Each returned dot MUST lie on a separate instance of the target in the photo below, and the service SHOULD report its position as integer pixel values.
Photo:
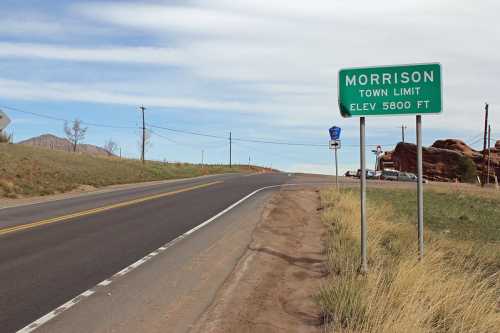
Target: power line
(255, 140)
(192, 146)
(32, 113)
(476, 141)
(190, 132)
(65, 120)
(163, 137)
(281, 142)
(473, 137)
(240, 139)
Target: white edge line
(54, 313)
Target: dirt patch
(273, 286)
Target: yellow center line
(100, 209)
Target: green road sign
(390, 90)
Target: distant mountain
(50, 141)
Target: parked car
(389, 175)
(350, 173)
(407, 177)
(370, 174)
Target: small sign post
(335, 145)
(390, 90)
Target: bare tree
(6, 137)
(75, 133)
(110, 147)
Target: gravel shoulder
(273, 285)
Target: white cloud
(199, 20)
(282, 56)
(149, 55)
(102, 94)
(16, 26)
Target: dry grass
(455, 289)
(29, 171)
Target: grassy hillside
(456, 288)
(28, 171)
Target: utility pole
(403, 129)
(248, 162)
(484, 144)
(489, 153)
(230, 150)
(202, 157)
(142, 109)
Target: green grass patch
(462, 216)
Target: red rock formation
(442, 160)
(456, 145)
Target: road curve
(45, 265)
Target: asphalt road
(48, 263)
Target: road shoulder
(273, 286)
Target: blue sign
(335, 133)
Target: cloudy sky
(263, 69)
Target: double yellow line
(101, 209)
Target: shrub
(5, 138)
(466, 170)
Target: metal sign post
(390, 90)
(335, 145)
(336, 169)
(420, 190)
(362, 158)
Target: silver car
(407, 177)
(390, 175)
